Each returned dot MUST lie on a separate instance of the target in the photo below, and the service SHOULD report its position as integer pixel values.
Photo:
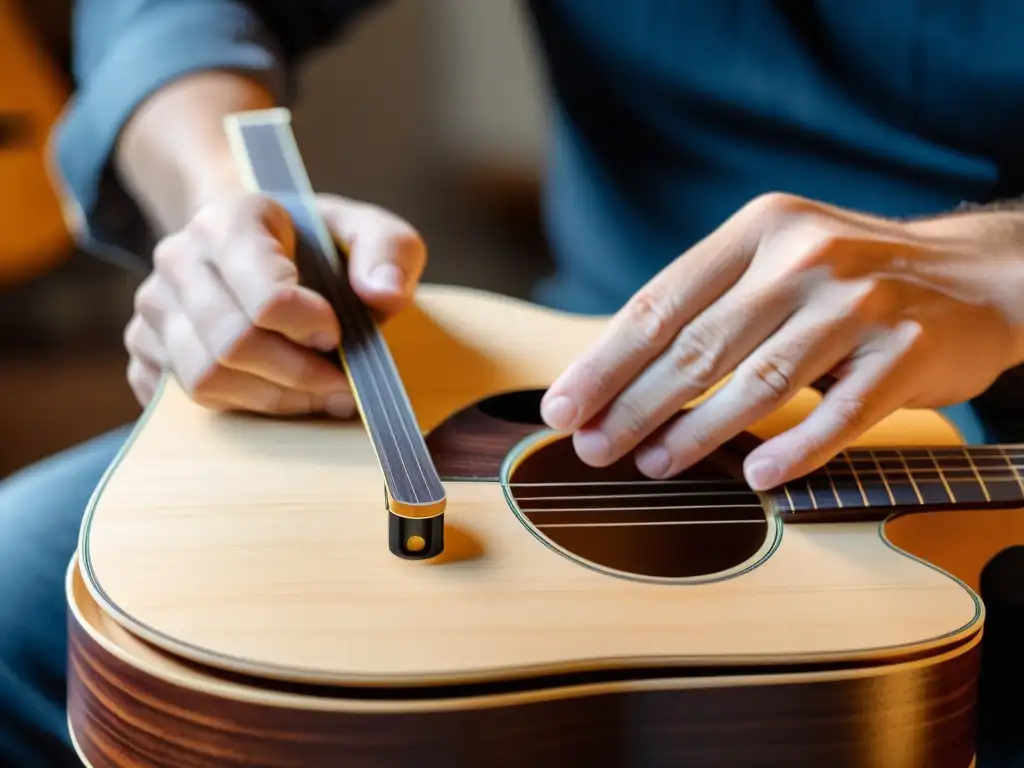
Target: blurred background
(434, 110)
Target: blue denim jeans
(41, 509)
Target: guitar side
(131, 704)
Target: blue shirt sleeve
(126, 49)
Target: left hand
(785, 292)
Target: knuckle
(775, 205)
(146, 295)
(132, 333)
(876, 300)
(851, 412)
(166, 252)
(772, 379)
(409, 248)
(649, 314)
(140, 380)
(630, 418)
(806, 242)
(234, 345)
(590, 378)
(698, 354)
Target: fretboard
(265, 146)
(874, 482)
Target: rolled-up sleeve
(124, 50)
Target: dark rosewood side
(121, 717)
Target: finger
(386, 255)
(648, 322)
(154, 304)
(253, 254)
(871, 387)
(143, 379)
(807, 347)
(705, 351)
(217, 387)
(146, 359)
(142, 341)
(232, 341)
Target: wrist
(174, 156)
(983, 255)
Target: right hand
(223, 310)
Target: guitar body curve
(234, 602)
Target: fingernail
(323, 341)
(559, 413)
(654, 462)
(763, 474)
(340, 404)
(388, 277)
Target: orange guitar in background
(33, 235)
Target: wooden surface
(132, 705)
(259, 545)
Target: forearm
(173, 155)
(141, 144)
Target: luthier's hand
(224, 312)
(901, 314)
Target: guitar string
(370, 351)
(647, 523)
(372, 348)
(292, 181)
(992, 474)
(377, 356)
(375, 343)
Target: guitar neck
(872, 483)
(266, 151)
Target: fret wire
(828, 474)
(920, 499)
(885, 482)
(895, 473)
(1020, 481)
(989, 451)
(810, 492)
(789, 498)
(856, 477)
(984, 488)
(942, 476)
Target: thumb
(386, 255)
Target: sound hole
(704, 522)
(520, 407)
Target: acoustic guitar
(34, 237)
(443, 583)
